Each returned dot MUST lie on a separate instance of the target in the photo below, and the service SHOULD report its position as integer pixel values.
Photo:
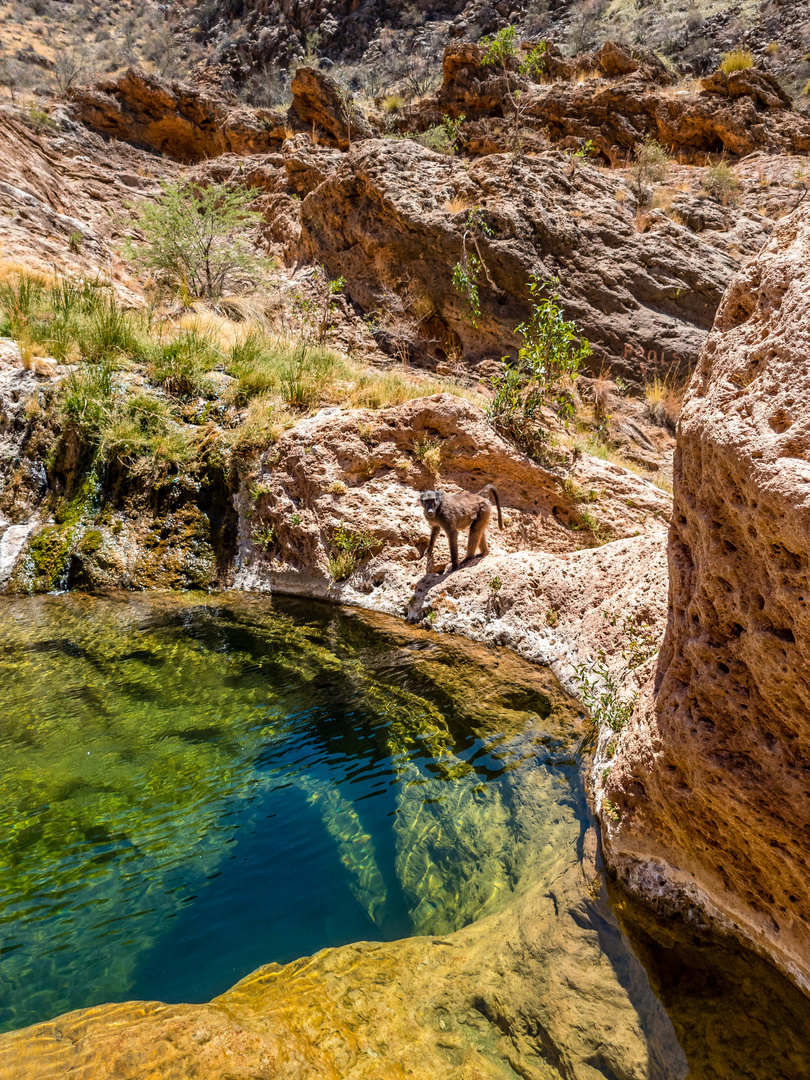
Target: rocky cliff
(712, 783)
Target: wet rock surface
(711, 781)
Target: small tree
(70, 67)
(543, 374)
(501, 51)
(650, 167)
(198, 240)
(471, 265)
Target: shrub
(543, 373)
(471, 266)
(429, 452)
(499, 48)
(306, 375)
(393, 103)
(265, 423)
(664, 397)
(263, 536)
(737, 60)
(435, 138)
(721, 183)
(198, 240)
(143, 432)
(250, 362)
(86, 401)
(649, 167)
(109, 331)
(348, 549)
(599, 692)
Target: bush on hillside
(199, 241)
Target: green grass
(349, 548)
(141, 388)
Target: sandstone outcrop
(176, 119)
(623, 105)
(711, 786)
(62, 196)
(318, 105)
(395, 214)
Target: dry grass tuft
(457, 204)
(664, 397)
(737, 60)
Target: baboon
(455, 512)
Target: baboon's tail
(485, 491)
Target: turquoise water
(192, 787)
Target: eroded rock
(711, 786)
(394, 216)
(621, 103)
(177, 119)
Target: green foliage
(494, 585)
(86, 401)
(465, 281)
(471, 267)
(181, 364)
(38, 120)
(587, 150)
(348, 549)
(642, 641)
(429, 452)
(499, 48)
(534, 64)
(264, 536)
(599, 693)
(110, 332)
(143, 433)
(546, 367)
(721, 182)
(199, 240)
(19, 301)
(306, 374)
(737, 60)
(649, 167)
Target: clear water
(189, 788)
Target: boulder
(762, 88)
(394, 216)
(712, 784)
(319, 104)
(182, 121)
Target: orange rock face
(176, 119)
(712, 784)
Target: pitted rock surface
(712, 783)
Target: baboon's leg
(434, 532)
(477, 537)
(452, 536)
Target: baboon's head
(431, 503)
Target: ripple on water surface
(193, 787)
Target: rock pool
(194, 786)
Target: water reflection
(191, 787)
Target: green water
(194, 786)
(191, 787)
